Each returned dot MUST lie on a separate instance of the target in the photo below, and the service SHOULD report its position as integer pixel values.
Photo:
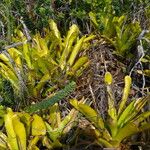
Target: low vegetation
(62, 66)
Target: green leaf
(26, 54)
(79, 72)
(93, 18)
(92, 116)
(52, 133)
(90, 113)
(57, 132)
(78, 64)
(112, 127)
(5, 59)
(3, 141)
(9, 74)
(12, 138)
(26, 119)
(141, 117)
(125, 94)
(144, 126)
(75, 51)
(126, 114)
(139, 104)
(38, 126)
(20, 132)
(126, 131)
(56, 32)
(54, 116)
(33, 142)
(71, 37)
(40, 85)
(105, 143)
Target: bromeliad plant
(126, 36)
(17, 135)
(37, 68)
(118, 32)
(66, 50)
(121, 123)
(23, 131)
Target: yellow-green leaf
(90, 113)
(54, 116)
(9, 74)
(26, 119)
(125, 93)
(126, 131)
(79, 63)
(38, 126)
(40, 85)
(5, 59)
(33, 142)
(71, 37)
(54, 28)
(93, 18)
(75, 51)
(126, 113)
(3, 141)
(20, 132)
(12, 139)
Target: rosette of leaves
(118, 32)
(24, 131)
(121, 122)
(66, 50)
(45, 61)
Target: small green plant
(121, 123)
(118, 32)
(126, 36)
(67, 49)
